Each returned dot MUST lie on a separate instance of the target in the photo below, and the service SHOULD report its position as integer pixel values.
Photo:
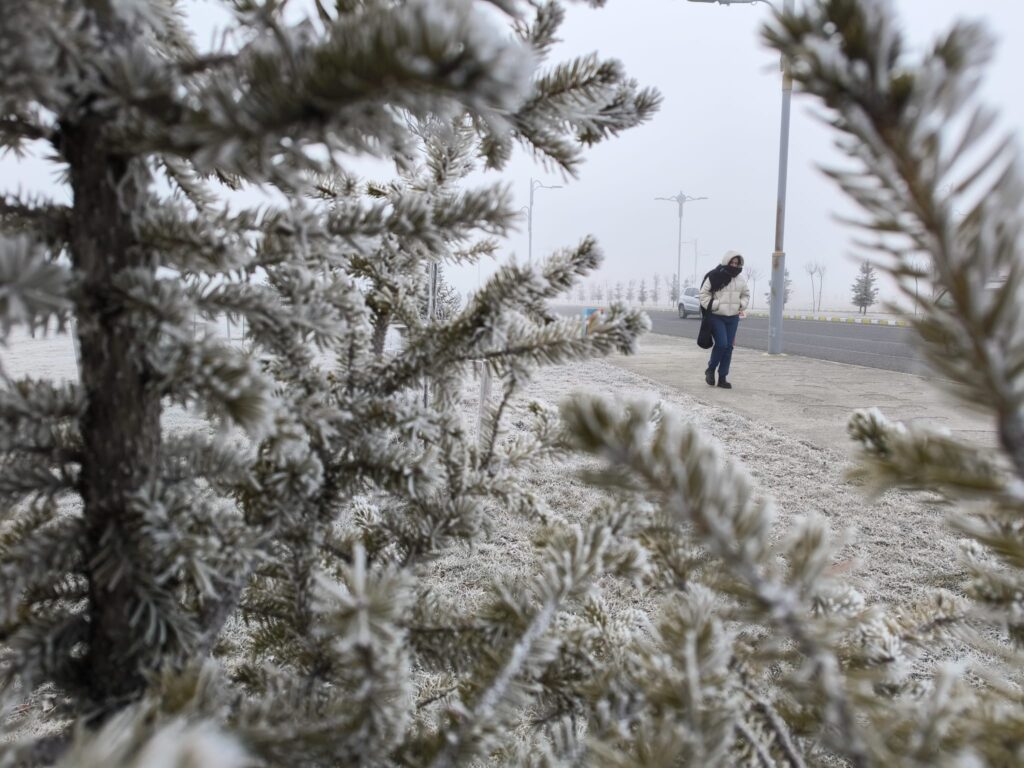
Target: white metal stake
(485, 398)
(431, 302)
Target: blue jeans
(723, 329)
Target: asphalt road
(874, 346)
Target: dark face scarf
(722, 275)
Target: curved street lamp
(778, 290)
(534, 186)
(694, 243)
(681, 199)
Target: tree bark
(380, 333)
(121, 423)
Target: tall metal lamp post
(694, 243)
(778, 291)
(680, 199)
(534, 186)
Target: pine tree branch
(542, 33)
(33, 289)
(47, 750)
(554, 344)
(484, 708)
(30, 548)
(402, 50)
(764, 758)
(434, 219)
(442, 694)
(15, 129)
(779, 729)
(570, 566)
(45, 221)
(188, 183)
(717, 515)
(203, 64)
(226, 381)
(215, 613)
(493, 327)
(894, 455)
(581, 103)
(208, 243)
(494, 424)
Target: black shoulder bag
(704, 337)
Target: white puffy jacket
(733, 298)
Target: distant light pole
(680, 199)
(778, 291)
(534, 186)
(694, 241)
(694, 244)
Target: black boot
(709, 376)
(723, 383)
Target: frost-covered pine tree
(864, 291)
(259, 578)
(788, 282)
(258, 591)
(446, 300)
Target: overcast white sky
(716, 136)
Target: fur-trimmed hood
(730, 255)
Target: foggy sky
(717, 135)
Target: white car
(689, 302)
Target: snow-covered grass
(901, 546)
(900, 549)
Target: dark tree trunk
(121, 423)
(380, 332)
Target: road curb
(846, 320)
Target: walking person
(725, 295)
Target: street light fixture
(534, 186)
(680, 199)
(778, 289)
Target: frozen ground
(901, 546)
